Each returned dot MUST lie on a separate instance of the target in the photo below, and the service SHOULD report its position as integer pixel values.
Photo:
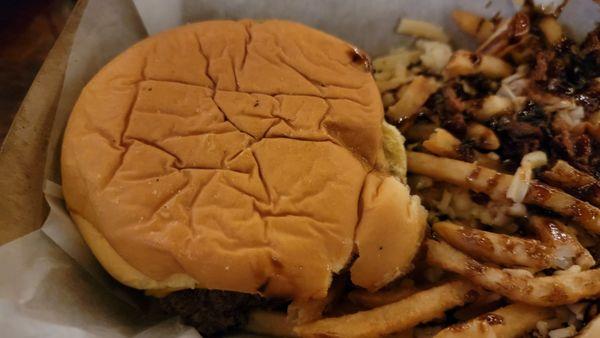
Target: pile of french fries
(478, 276)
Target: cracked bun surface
(232, 155)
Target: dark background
(28, 29)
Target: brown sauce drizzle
(555, 231)
(539, 193)
(470, 236)
(580, 211)
(475, 268)
(492, 319)
(537, 253)
(557, 294)
(471, 296)
(510, 245)
(519, 25)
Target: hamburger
(222, 165)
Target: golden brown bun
(389, 234)
(229, 155)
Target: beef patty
(213, 312)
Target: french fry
(467, 21)
(552, 30)
(495, 185)
(497, 248)
(396, 317)
(520, 285)
(442, 143)
(473, 24)
(391, 70)
(510, 321)
(564, 176)
(484, 137)
(464, 174)
(420, 182)
(507, 35)
(388, 99)
(557, 248)
(493, 105)
(489, 160)
(393, 83)
(420, 131)
(486, 30)
(384, 75)
(402, 57)
(302, 311)
(422, 29)
(270, 323)
(376, 299)
(564, 204)
(464, 62)
(568, 250)
(486, 302)
(412, 97)
(522, 53)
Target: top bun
(232, 155)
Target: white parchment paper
(50, 283)
(367, 23)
